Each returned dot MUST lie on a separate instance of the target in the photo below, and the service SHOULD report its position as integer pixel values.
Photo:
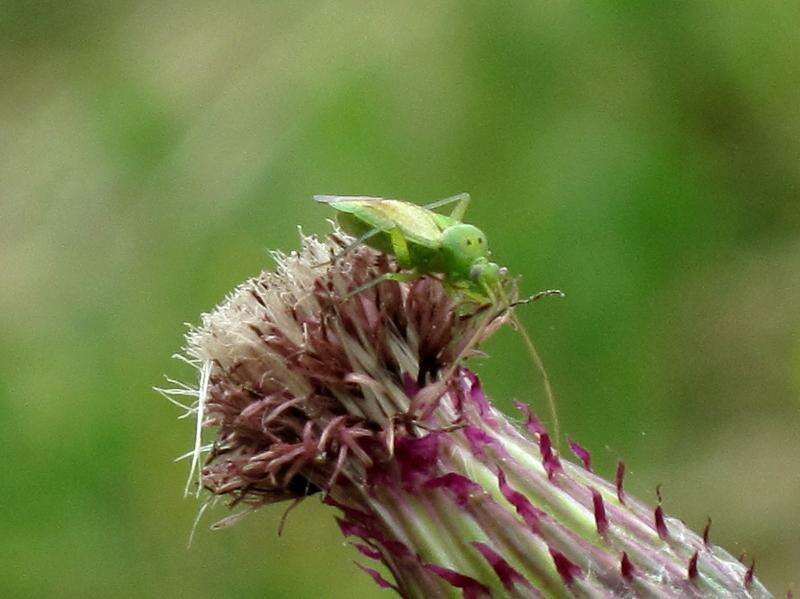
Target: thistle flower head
(367, 401)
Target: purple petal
(706, 530)
(471, 588)
(748, 577)
(626, 567)
(525, 509)
(417, 457)
(352, 529)
(550, 461)
(396, 548)
(583, 455)
(367, 551)
(691, 571)
(619, 478)
(351, 513)
(600, 518)
(376, 576)
(505, 572)
(478, 398)
(410, 385)
(457, 484)
(566, 569)
(478, 439)
(532, 423)
(661, 525)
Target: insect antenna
(538, 296)
(534, 354)
(537, 360)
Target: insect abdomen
(422, 258)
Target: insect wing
(371, 218)
(326, 199)
(359, 206)
(415, 222)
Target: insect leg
(462, 200)
(348, 248)
(400, 248)
(400, 277)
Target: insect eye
(469, 242)
(480, 239)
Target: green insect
(424, 242)
(427, 243)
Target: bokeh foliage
(644, 157)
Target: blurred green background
(644, 157)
